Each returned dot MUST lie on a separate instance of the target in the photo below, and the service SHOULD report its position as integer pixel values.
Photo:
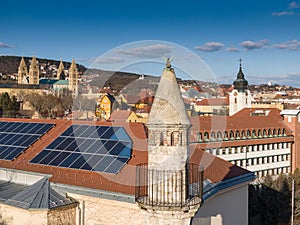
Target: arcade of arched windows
(229, 135)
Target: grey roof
(37, 196)
(291, 112)
(168, 106)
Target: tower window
(235, 100)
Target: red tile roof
(124, 181)
(120, 115)
(212, 102)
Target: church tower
(73, 76)
(240, 97)
(22, 72)
(61, 72)
(34, 72)
(167, 197)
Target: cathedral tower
(34, 72)
(240, 97)
(73, 76)
(61, 72)
(22, 72)
(168, 198)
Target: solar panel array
(16, 137)
(95, 148)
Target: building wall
(98, 211)
(229, 207)
(293, 122)
(262, 159)
(62, 215)
(17, 216)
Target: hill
(9, 65)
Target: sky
(111, 34)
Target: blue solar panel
(16, 137)
(96, 148)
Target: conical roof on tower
(34, 62)
(61, 66)
(22, 65)
(73, 66)
(168, 106)
(240, 83)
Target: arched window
(243, 134)
(219, 136)
(212, 136)
(264, 133)
(172, 139)
(269, 133)
(237, 134)
(283, 132)
(161, 139)
(231, 135)
(254, 134)
(274, 132)
(279, 132)
(248, 134)
(259, 133)
(199, 137)
(206, 136)
(225, 136)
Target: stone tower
(73, 76)
(167, 199)
(61, 72)
(240, 97)
(34, 71)
(22, 72)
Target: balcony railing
(167, 188)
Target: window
(235, 100)
(289, 119)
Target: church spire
(22, 72)
(73, 76)
(60, 72)
(240, 83)
(34, 72)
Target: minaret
(61, 72)
(22, 72)
(73, 76)
(34, 72)
(168, 199)
(240, 97)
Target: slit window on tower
(96, 148)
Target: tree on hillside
(9, 106)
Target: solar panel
(96, 148)
(16, 137)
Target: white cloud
(210, 47)
(284, 13)
(289, 45)
(4, 45)
(150, 51)
(251, 45)
(108, 60)
(294, 5)
(232, 49)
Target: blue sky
(265, 34)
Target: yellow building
(104, 107)
(34, 71)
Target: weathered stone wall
(62, 216)
(109, 212)
(17, 216)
